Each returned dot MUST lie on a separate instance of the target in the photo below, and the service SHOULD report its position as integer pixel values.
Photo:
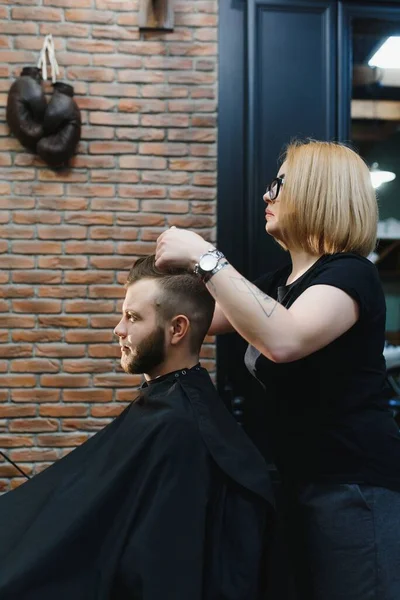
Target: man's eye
(131, 318)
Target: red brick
(116, 233)
(90, 16)
(142, 162)
(202, 150)
(60, 204)
(105, 351)
(141, 76)
(16, 232)
(206, 179)
(111, 410)
(48, 175)
(65, 381)
(166, 177)
(115, 33)
(33, 454)
(116, 119)
(113, 148)
(199, 92)
(69, 4)
(89, 277)
(97, 133)
(17, 381)
(65, 30)
(102, 321)
(36, 395)
(128, 19)
(165, 206)
(62, 440)
(11, 27)
(89, 248)
(140, 133)
(62, 262)
(36, 276)
(37, 247)
(143, 48)
(140, 219)
(15, 203)
(164, 91)
(84, 424)
(5, 160)
(60, 350)
(37, 336)
(141, 106)
(192, 164)
(106, 291)
(88, 306)
(39, 189)
(88, 336)
(195, 49)
(37, 306)
(51, 410)
(116, 90)
(91, 190)
(9, 351)
(117, 380)
(62, 291)
(17, 262)
(136, 248)
(89, 395)
(32, 217)
(191, 221)
(104, 176)
(35, 425)
(35, 43)
(16, 56)
(102, 162)
(192, 193)
(36, 14)
(5, 188)
(114, 204)
(11, 321)
(9, 411)
(203, 135)
(88, 366)
(61, 321)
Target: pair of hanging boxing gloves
(51, 129)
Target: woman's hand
(180, 248)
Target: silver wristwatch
(207, 263)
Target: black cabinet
(285, 71)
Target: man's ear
(178, 329)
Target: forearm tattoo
(265, 302)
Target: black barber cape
(168, 502)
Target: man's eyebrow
(131, 311)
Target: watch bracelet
(219, 266)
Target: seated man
(170, 501)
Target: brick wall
(147, 160)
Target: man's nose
(119, 330)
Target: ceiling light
(379, 177)
(388, 54)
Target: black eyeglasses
(274, 188)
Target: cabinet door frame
(346, 12)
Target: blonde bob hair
(328, 203)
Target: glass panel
(375, 133)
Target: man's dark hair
(181, 292)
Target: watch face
(208, 262)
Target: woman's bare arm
(220, 323)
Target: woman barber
(316, 332)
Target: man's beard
(147, 356)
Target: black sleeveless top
(327, 412)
